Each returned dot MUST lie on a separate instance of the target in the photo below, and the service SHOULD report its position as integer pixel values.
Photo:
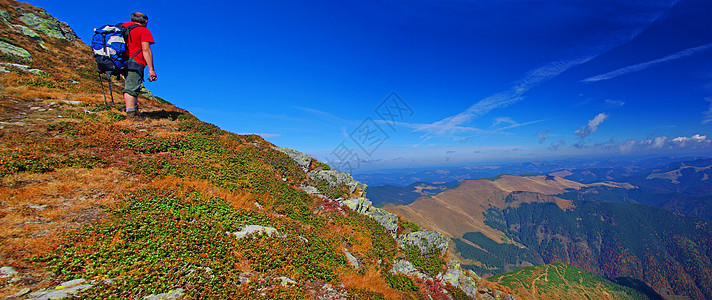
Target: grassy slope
(150, 204)
(561, 281)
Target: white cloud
(592, 125)
(648, 64)
(659, 142)
(627, 146)
(683, 141)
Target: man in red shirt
(138, 47)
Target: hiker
(139, 40)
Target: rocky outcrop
(336, 178)
(362, 205)
(255, 230)
(458, 278)
(405, 267)
(300, 158)
(63, 290)
(425, 240)
(16, 51)
(48, 25)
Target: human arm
(148, 57)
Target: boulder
(336, 178)
(425, 240)
(363, 206)
(27, 31)
(387, 219)
(49, 26)
(255, 230)
(172, 295)
(7, 272)
(351, 258)
(455, 276)
(300, 158)
(406, 268)
(359, 204)
(13, 50)
(63, 290)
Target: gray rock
(3, 70)
(387, 219)
(13, 50)
(359, 204)
(36, 72)
(27, 31)
(300, 158)
(22, 292)
(255, 230)
(362, 205)
(336, 178)
(172, 295)
(425, 240)
(405, 267)
(63, 290)
(49, 26)
(7, 272)
(19, 66)
(351, 258)
(459, 278)
(309, 189)
(4, 15)
(285, 281)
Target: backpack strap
(125, 31)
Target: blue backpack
(109, 45)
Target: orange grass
(40, 209)
(239, 200)
(371, 280)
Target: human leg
(131, 92)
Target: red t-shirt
(136, 37)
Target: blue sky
(385, 84)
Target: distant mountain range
(508, 222)
(404, 195)
(585, 171)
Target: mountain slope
(561, 281)
(509, 222)
(95, 206)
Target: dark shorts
(134, 78)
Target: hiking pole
(108, 75)
(102, 89)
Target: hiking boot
(134, 115)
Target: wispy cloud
(648, 64)
(515, 124)
(614, 103)
(325, 116)
(592, 125)
(707, 114)
(543, 135)
(579, 55)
